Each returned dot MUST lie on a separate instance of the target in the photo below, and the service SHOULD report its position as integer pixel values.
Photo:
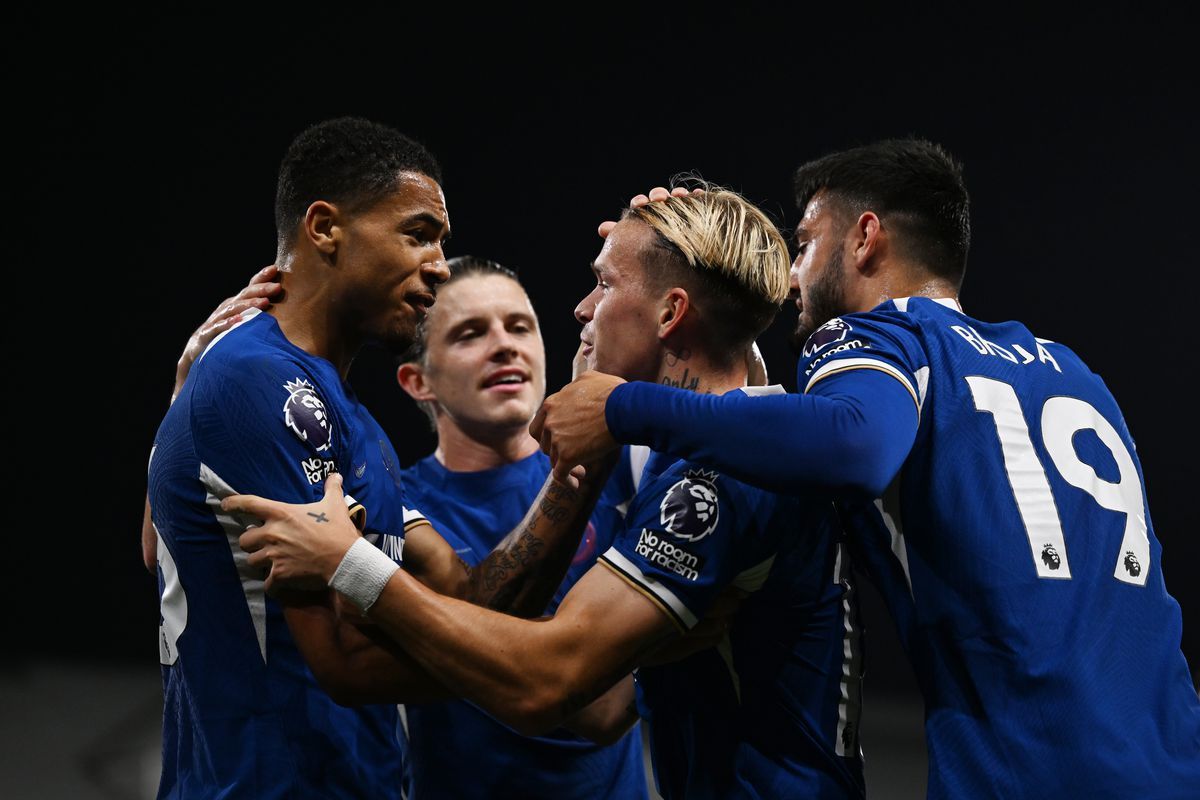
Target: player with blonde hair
(772, 709)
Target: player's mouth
(421, 302)
(507, 380)
(588, 347)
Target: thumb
(333, 488)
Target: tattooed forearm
(521, 573)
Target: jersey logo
(1050, 556)
(305, 415)
(1132, 565)
(317, 469)
(689, 510)
(833, 331)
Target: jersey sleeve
(849, 437)
(262, 426)
(881, 341)
(684, 539)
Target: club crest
(689, 510)
(305, 415)
(833, 331)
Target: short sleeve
(686, 538)
(883, 341)
(263, 426)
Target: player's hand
(570, 425)
(579, 363)
(657, 193)
(756, 366)
(258, 293)
(301, 544)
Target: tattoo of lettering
(686, 382)
(674, 358)
(319, 517)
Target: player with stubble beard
(987, 480)
(682, 289)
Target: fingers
(659, 193)
(606, 228)
(562, 473)
(538, 424)
(265, 274)
(638, 200)
(333, 489)
(255, 506)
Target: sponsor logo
(317, 469)
(853, 344)
(305, 415)
(669, 556)
(833, 331)
(689, 510)
(1132, 565)
(360, 470)
(1050, 556)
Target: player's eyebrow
(433, 221)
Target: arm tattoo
(521, 574)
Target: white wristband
(363, 573)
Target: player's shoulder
(255, 356)
(691, 498)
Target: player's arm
(257, 294)
(357, 664)
(533, 675)
(609, 717)
(530, 674)
(354, 663)
(850, 432)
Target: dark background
(144, 196)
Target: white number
(1062, 418)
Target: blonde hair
(719, 230)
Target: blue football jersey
(1017, 555)
(773, 710)
(243, 716)
(453, 749)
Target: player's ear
(323, 227)
(675, 307)
(868, 239)
(411, 378)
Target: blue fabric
(1015, 549)
(859, 430)
(453, 749)
(243, 716)
(773, 711)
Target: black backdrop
(144, 192)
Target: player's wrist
(362, 573)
